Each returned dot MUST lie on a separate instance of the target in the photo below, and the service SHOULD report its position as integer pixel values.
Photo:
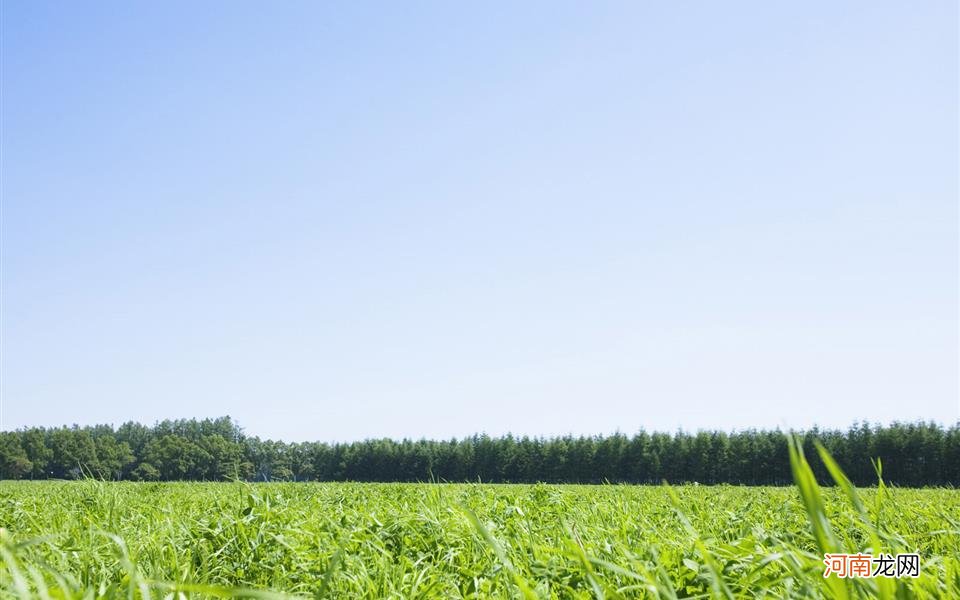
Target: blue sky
(340, 221)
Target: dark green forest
(910, 454)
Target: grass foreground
(91, 539)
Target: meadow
(90, 539)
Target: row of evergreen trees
(912, 454)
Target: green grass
(92, 539)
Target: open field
(92, 539)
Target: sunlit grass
(93, 539)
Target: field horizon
(94, 538)
(469, 540)
(910, 454)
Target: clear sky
(335, 221)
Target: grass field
(96, 539)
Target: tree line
(911, 454)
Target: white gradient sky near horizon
(342, 221)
